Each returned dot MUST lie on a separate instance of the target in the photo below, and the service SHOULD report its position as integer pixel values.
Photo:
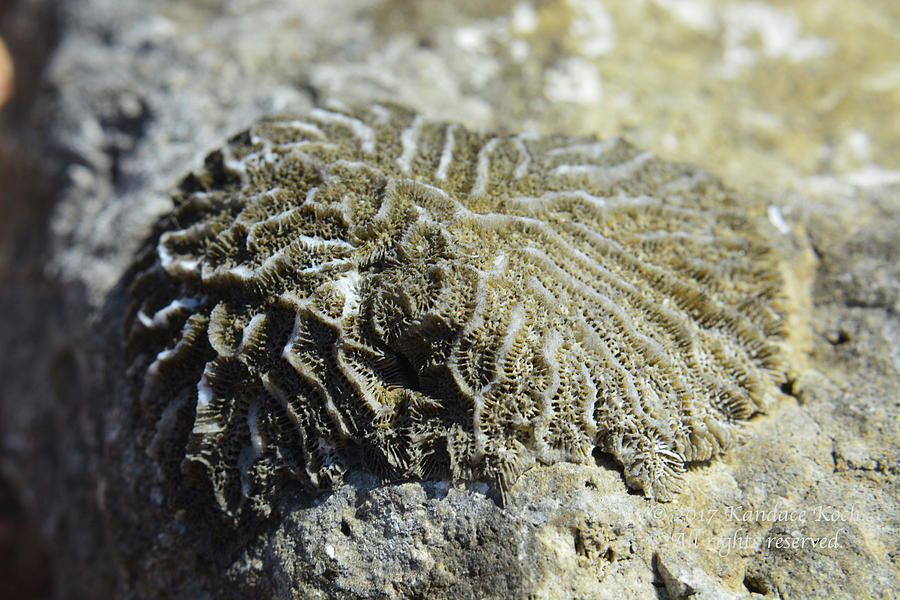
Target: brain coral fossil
(369, 289)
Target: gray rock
(137, 92)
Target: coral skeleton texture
(364, 288)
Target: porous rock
(137, 90)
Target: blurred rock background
(796, 102)
(26, 32)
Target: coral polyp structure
(366, 289)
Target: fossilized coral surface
(366, 288)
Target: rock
(683, 581)
(135, 94)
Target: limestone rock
(798, 97)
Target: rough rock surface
(136, 92)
